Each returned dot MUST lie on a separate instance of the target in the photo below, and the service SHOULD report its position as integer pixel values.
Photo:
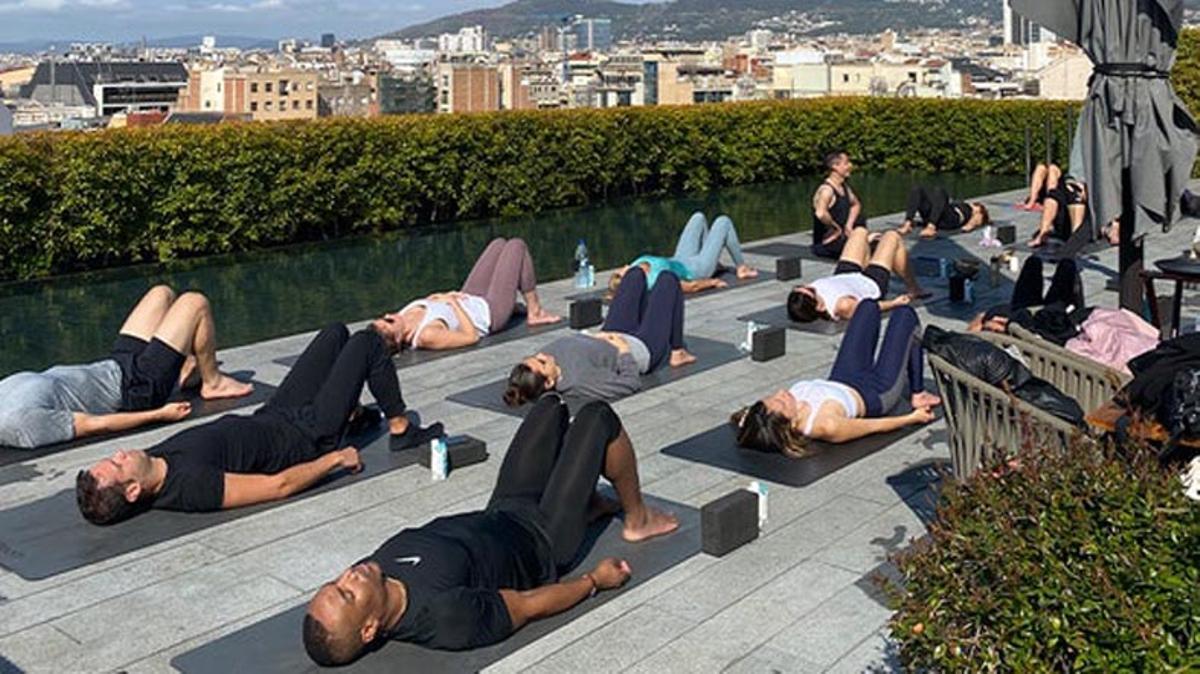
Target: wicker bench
(986, 422)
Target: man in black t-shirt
(471, 580)
(285, 447)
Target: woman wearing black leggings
(939, 214)
(643, 331)
(1063, 302)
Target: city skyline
(128, 21)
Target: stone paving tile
(834, 628)
(767, 660)
(617, 645)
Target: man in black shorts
(286, 446)
(836, 208)
(857, 278)
(166, 342)
(472, 580)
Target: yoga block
(729, 523)
(787, 268)
(962, 289)
(1006, 234)
(586, 313)
(463, 451)
(768, 344)
(931, 267)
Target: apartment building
(466, 87)
(273, 95)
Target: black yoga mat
(785, 250)
(709, 354)
(200, 409)
(517, 329)
(274, 645)
(718, 448)
(729, 276)
(48, 537)
(777, 316)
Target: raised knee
(891, 236)
(601, 414)
(162, 293)
(518, 244)
(192, 301)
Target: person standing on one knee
(167, 342)
(422, 587)
(836, 208)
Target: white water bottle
(751, 328)
(439, 459)
(760, 490)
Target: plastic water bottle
(760, 489)
(581, 265)
(439, 459)
(748, 345)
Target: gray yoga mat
(274, 645)
(718, 448)
(777, 316)
(48, 537)
(709, 354)
(803, 251)
(517, 329)
(200, 410)
(729, 276)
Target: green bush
(1079, 561)
(74, 201)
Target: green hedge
(1087, 560)
(75, 201)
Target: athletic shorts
(149, 372)
(876, 272)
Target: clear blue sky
(129, 20)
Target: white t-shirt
(832, 288)
(476, 308)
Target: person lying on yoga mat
(288, 445)
(939, 214)
(836, 208)
(1045, 179)
(1064, 297)
(167, 342)
(854, 401)
(472, 580)
(485, 304)
(696, 256)
(854, 279)
(643, 331)
(1065, 211)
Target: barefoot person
(855, 279)
(1045, 179)
(836, 208)
(643, 331)
(862, 389)
(939, 214)
(696, 257)
(484, 306)
(167, 341)
(472, 580)
(285, 447)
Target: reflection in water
(285, 291)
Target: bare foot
(681, 357)
(925, 399)
(542, 317)
(601, 506)
(189, 376)
(929, 232)
(225, 387)
(919, 293)
(746, 271)
(1036, 242)
(905, 229)
(652, 524)
(1114, 233)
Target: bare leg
(1077, 214)
(641, 521)
(857, 249)
(1049, 213)
(149, 312)
(189, 329)
(892, 255)
(1036, 183)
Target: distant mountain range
(718, 19)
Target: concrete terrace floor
(800, 599)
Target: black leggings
(934, 207)
(655, 317)
(324, 386)
(553, 464)
(1066, 287)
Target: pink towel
(1114, 337)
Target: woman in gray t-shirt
(643, 331)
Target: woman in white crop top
(857, 278)
(854, 401)
(484, 306)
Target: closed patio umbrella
(1137, 138)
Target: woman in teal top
(696, 256)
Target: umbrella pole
(1130, 253)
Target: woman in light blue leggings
(696, 256)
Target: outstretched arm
(243, 490)
(701, 285)
(548, 600)
(95, 424)
(842, 429)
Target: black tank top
(839, 210)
